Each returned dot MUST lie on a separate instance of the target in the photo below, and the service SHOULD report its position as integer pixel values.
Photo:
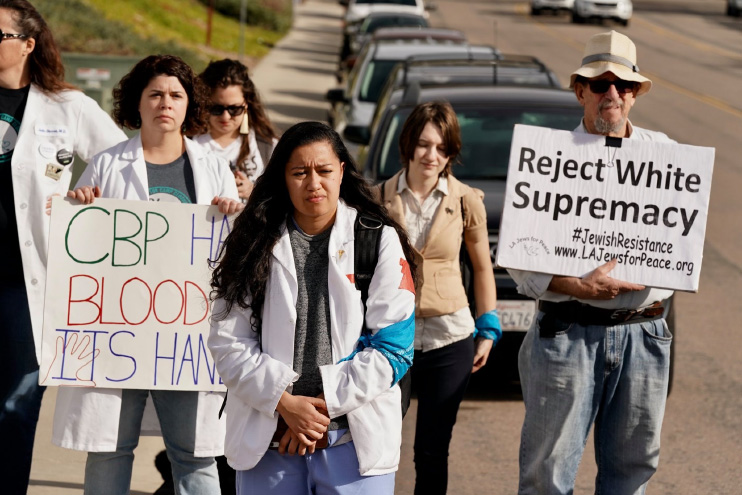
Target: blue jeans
(20, 393)
(110, 472)
(615, 377)
(330, 471)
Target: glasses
(601, 86)
(234, 110)
(10, 36)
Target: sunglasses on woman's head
(234, 110)
(10, 36)
(601, 86)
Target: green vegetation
(144, 27)
(269, 14)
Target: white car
(359, 9)
(540, 6)
(618, 10)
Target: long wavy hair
(228, 72)
(128, 92)
(45, 63)
(241, 275)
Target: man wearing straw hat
(599, 351)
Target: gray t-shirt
(172, 182)
(312, 339)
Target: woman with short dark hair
(164, 99)
(311, 371)
(44, 123)
(239, 129)
(439, 212)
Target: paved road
(694, 55)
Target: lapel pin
(449, 211)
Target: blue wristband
(488, 326)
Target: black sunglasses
(234, 110)
(10, 36)
(601, 86)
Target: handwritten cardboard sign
(574, 201)
(127, 295)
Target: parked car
(618, 10)
(450, 36)
(456, 69)
(359, 9)
(363, 30)
(355, 104)
(538, 7)
(486, 115)
(734, 8)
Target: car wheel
(624, 22)
(576, 19)
(535, 11)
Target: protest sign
(127, 295)
(574, 201)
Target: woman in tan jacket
(437, 210)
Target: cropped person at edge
(571, 374)
(44, 122)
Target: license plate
(516, 315)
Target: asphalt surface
(693, 53)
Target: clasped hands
(307, 419)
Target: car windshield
(486, 134)
(374, 79)
(392, 2)
(479, 74)
(372, 24)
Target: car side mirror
(358, 134)
(336, 95)
(431, 7)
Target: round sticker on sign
(64, 157)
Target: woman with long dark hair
(239, 130)
(439, 212)
(311, 373)
(163, 98)
(44, 122)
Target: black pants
(440, 377)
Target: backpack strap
(366, 246)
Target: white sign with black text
(574, 201)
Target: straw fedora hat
(611, 52)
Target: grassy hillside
(144, 27)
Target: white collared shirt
(419, 217)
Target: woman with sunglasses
(239, 129)
(44, 122)
(163, 98)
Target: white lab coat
(360, 388)
(70, 121)
(87, 419)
